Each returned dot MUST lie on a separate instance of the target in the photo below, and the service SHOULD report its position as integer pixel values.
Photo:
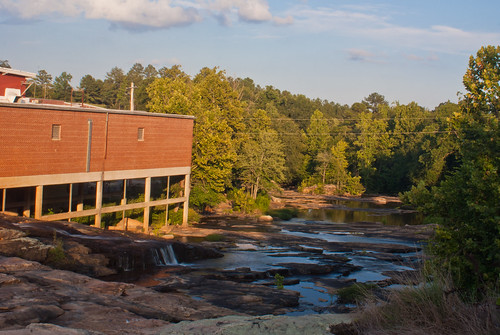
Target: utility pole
(132, 95)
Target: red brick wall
(26, 147)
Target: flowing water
(260, 256)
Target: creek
(351, 243)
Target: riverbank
(140, 296)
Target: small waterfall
(164, 256)
(125, 262)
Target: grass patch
(56, 255)
(430, 308)
(356, 293)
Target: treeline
(257, 138)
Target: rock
(32, 293)
(48, 329)
(10, 234)
(277, 325)
(265, 218)
(15, 243)
(25, 315)
(128, 225)
(12, 264)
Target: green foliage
(203, 199)
(62, 88)
(241, 200)
(56, 255)
(262, 202)
(244, 202)
(286, 214)
(278, 281)
(175, 216)
(418, 196)
(466, 204)
(261, 162)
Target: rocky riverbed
(59, 277)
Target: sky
(337, 50)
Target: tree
(294, 145)
(374, 101)
(114, 90)
(338, 173)
(318, 134)
(172, 94)
(42, 85)
(62, 87)
(439, 146)
(261, 162)
(372, 142)
(482, 82)
(466, 204)
(92, 89)
(217, 133)
(218, 129)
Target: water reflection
(349, 215)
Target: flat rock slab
(317, 324)
(34, 294)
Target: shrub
(241, 200)
(283, 213)
(203, 199)
(262, 202)
(278, 280)
(56, 255)
(355, 293)
(175, 217)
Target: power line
(355, 133)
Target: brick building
(63, 162)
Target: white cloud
(254, 10)
(283, 21)
(361, 55)
(127, 13)
(368, 23)
(143, 13)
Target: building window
(140, 134)
(56, 132)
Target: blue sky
(340, 51)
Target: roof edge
(17, 72)
(92, 110)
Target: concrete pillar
(187, 190)
(79, 205)
(98, 203)
(4, 199)
(27, 203)
(168, 197)
(124, 198)
(147, 199)
(38, 201)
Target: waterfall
(164, 256)
(125, 262)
